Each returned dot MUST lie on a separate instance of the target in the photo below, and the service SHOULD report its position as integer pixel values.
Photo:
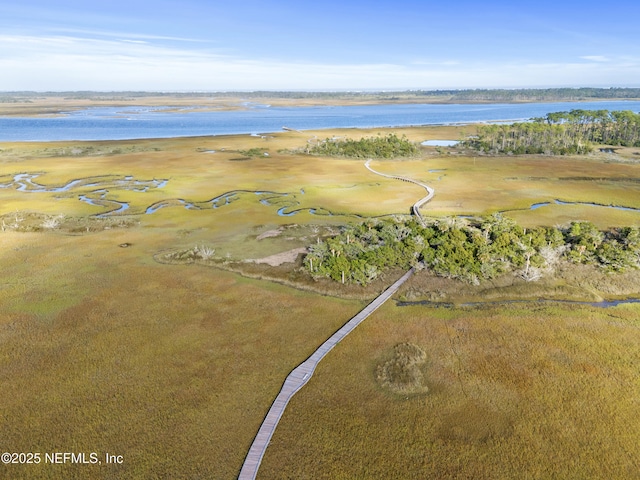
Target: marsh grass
(174, 366)
(198, 253)
(517, 392)
(513, 184)
(403, 374)
(25, 221)
(104, 352)
(572, 282)
(339, 186)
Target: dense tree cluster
(389, 146)
(528, 138)
(560, 133)
(599, 126)
(471, 252)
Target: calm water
(120, 123)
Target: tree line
(599, 126)
(535, 94)
(560, 133)
(453, 96)
(471, 252)
(461, 96)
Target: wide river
(121, 123)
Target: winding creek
(96, 191)
(536, 206)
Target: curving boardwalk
(300, 376)
(416, 206)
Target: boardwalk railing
(299, 377)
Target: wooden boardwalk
(416, 206)
(299, 377)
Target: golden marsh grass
(170, 366)
(174, 366)
(514, 392)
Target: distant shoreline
(56, 103)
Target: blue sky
(198, 45)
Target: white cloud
(87, 33)
(74, 63)
(595, 58)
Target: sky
(211, 45)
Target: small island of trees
(471, 252)
(389, 146)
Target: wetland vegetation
(158, 335)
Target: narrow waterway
(602, 304)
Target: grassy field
(172, 367)
(524, 391)
(104, 349)
(472, 185)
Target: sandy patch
(270, 233)
(289, 256)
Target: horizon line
(345, 90)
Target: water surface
(121, 123)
